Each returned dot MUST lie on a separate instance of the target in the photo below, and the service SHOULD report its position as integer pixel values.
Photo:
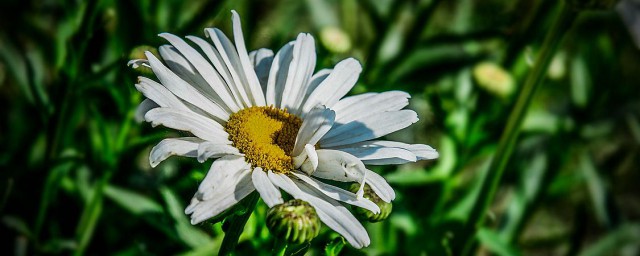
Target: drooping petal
(278, 75)
(332, 213)
(378, 103)
(143, 108)
(209, 149)
(421, 151)
(246, 71)
(198, 125)
(300, 71)
(380, 186)
(268, 192)
(184, 90)
(338, 193)
(339, 166)
(368, 128)
(261, 60)
(335, 86)
(138, 63)
(315, 125)
(186, 146)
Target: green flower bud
(364, 214)
(335, 39)
(294, 221)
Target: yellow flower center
(266, 136)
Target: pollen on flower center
(266, 136)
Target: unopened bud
(364, 214)
(494, 79)
(294, 221)
(335, 39)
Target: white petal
(183, 89)
(300, 71)
(231, 60)
(338, 193)
(198, 125)
(224, 173)
(268, 192)
(380, 102)
(370, 127)
(315, 125)
(138, 63)
(229, 187)
(381, 155)
(159, 94)
(278, 75)
(226, 86)
(187, 146)
(347, 102)
(143, 108)
(380, 186)
(421, 151)
(209, 149)
(339, 166)
(332, 213)
(307, 161)
(336, 85)
(185, 70)
(251, 79)
(261, 60)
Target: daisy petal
(339, 166)
(316, 124)
(225, 86)
(183, 89)
(143, 108)
(224, 174)
(421, 151)
(370, 127)
(300, 71)
(261, 60)
(209, 149)
(381, 155)
(332, 213)
(336, 85)
(185, 70)
(378, 103)
(187, 146)
(225, 199)
(278, 75)
(307, 161)
(338, 193)
(138, 63)
(159, 94)
(198, 125)
(252, 82)
(268, 192)
(230, 58)
(380, 186)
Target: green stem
(237, 225)
(280, 247)
(505, 147)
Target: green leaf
(132, 201)
(492, 241)
(187, 233)
(622, 241)
(334, 247)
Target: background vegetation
(75, 178)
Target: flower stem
(563, 22)
(280, 247)
(236, 226)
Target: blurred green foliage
(75, 177)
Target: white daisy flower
(273, 124)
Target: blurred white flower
(272, 124)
